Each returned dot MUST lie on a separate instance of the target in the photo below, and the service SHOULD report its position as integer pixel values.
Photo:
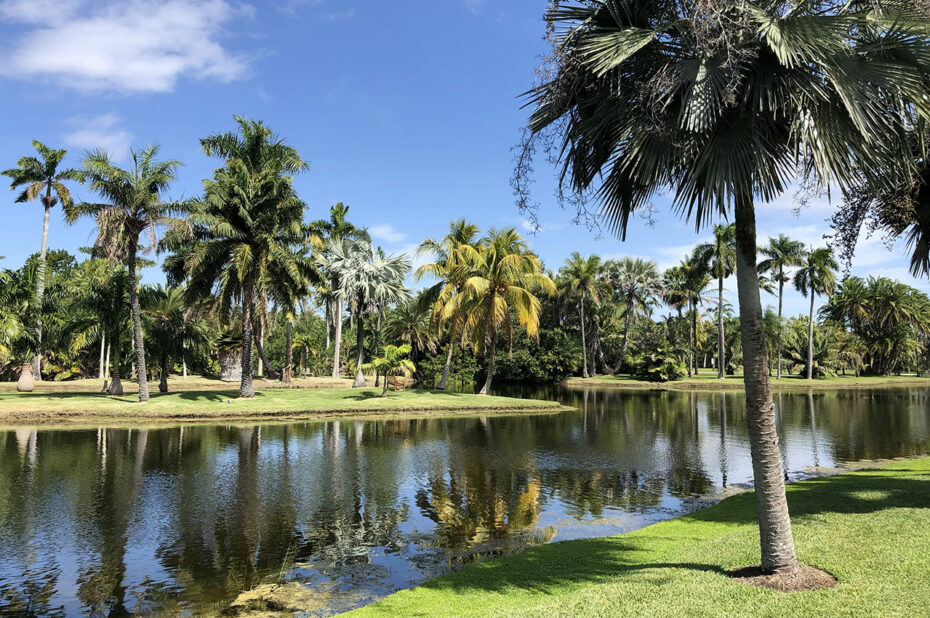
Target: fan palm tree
(505, 278)
(453, 256)
(781, 253)
(638, 286)
(645, 95)
(580, 276)
(391, 363)
(45, 182)
(817, 275)
(719, 258)
(133, 206)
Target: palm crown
(40, 174)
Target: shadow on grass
(204, 395)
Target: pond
(181, 520)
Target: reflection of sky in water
(181, 520)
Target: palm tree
(503, 279)
(366, 279)
(638, 286)
(410, 322)
(719, 258)
(817, 275)
(580, 276)
(133, 206)
(781, 253)
(43, 181)
(453, 256)
(391, 363)
(238, 237)
(726, 111)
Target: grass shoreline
(708, 382)
(271, 405)
(867, 528)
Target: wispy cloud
(386, 233)
(100, 132)
(128, 46)
(475, 7)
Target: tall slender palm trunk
(163, 382)
(137, 325)
(584, 346)
(694, 363)
(40, 286)
(781, 298)
(810, 339)
(246, 388)
(448, 366)
(776, 542)
(337, 338)
(721, 344)
(626, 336)
(116, 385)
(492, 356)
(360, 351)
(103, 346)
(288, 354)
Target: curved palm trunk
(288, 354)
(776, 542)
(360, 355)
(584, 346)
(810, 339)
(137, 325)
(337, 339)
(448, 366)
(40, 286)
(492, 356)
(600, 350)
(721, 344)
(626, 336)
(246, 388)
(269, 370)
(781, 297)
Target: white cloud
(128, 46)
(475, 7)
(386, 233)
(536, 228)
(100, 132)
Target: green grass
(270, 404)
(868, 528)
(707, 380)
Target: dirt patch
(802, 578)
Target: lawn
(269, 404)
(707, 380)
(868, 528)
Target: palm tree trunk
(781, 298)
(103, 346)
(693, 341)
(260, 341)
(626, 336)
(360, 351)
(600, 350)
(269, 370)
(40, 286)
(337, 338)
(492, 355)
(448, 366)
(776, 542)
(584, 345)
(288, 354)
(246, 388)
(137, 324)
(163, 383)
(116, 385)
(721, 344)
(810, 339)
(328, 319)
(106, 363)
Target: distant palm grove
(256, 287)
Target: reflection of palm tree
(813, 413)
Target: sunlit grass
(707, 379)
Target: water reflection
(180, 520)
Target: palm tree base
(359, 381)
(116, 387)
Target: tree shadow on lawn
(213, 396)
(548, 567)
(371, 392)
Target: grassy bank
(868, 528)
(707, 380)
(268, 405)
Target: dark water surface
(181, 520)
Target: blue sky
(406, 111)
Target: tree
(453, 256)
(133, 206)
(816, 276)
(638, 286)
(391, 363)
(781, 253)
(45, 182)
(239, 234)
(719, 259)
(503, 279)
(580, 276)
(409, 322)
(640, 96)
(170, 329)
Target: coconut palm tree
(580, 277)
(453, 256)
(133, 205)
(719, 258)
(391, 363)
(817, 275)
(781, 253)
(505, 278)
(642, 96)
(637, 286)
(42, 180)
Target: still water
(181, 520)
